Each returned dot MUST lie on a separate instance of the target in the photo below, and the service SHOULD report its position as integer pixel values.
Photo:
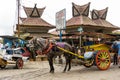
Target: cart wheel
(19, 63)
(2, 66)
(103, 60)
(89, 63)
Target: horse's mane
(38, 43)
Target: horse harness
(48, 48)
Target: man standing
(116, 47)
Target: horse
(45, 46)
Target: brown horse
(49, 48)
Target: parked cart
(15, 56)
(97, 55)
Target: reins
(48, 49)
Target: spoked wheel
(103, 60)
(19, 63)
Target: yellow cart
(97, 55)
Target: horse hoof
(52, 71)
(68, 69)
(63, 72)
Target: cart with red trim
(15, 56)
(97, 55)
(10, 53)
(101, 56)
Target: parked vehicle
(15, 56)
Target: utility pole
(18, 18)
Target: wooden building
(94, 29)
(34, 24)
(80, 18)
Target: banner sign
(61, 20)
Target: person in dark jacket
(116, 47)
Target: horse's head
(31, 43)
(38, 44)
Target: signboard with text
(61, 20)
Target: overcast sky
(8, 11)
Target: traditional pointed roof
(80, 10)
(99, 17)
(80, 16)
(34, 12)
(99, 14)
(34, 17)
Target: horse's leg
(60, 60)
(51, 65)
(69, 62)
(32, 54)
(50, 60)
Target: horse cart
(15, 56)
(10, 53)
(97, 55)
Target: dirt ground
(40, 71)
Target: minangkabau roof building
(34, 24)
(80, 18)
(99, 17)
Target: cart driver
(116, 47)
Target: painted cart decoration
(97, 55)
(15, 56)
(12, 55)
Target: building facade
(34, 25)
